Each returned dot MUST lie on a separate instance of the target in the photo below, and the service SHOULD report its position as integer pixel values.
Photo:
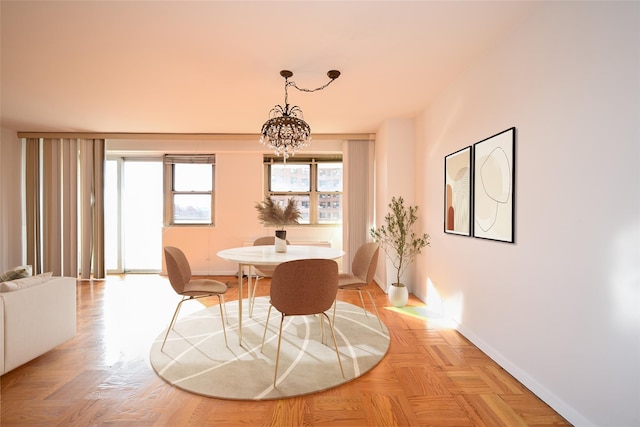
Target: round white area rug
(196, 359)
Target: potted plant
(400, 243)
(274, 214)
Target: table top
(267, 255)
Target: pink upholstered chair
(303, 287)
(363, 267)
(179, 273)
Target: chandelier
(286, 132)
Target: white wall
(11, 248)
(394, 171)
(560, 308)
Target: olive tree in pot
(270, 212)
(400, 243)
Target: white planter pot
(281, 241)
(398, 295)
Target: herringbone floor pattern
(432, 376)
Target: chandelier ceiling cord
(286, 132)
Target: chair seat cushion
(348, 281)
(204, 286)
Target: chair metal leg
(225, 307)
(224, 329)
(173, 320)
(335, 344)
(252, 296)
(333, 335)
(375, 308)
(362, 301)
(266, 325)
(322, 327)
(222, 316)
(275, 375)
(334, 311)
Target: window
(189, 189)
(315, 183)
(133, 185)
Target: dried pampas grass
(271, 213)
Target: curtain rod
(195, 136)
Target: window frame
(169, 161)
(313, 193)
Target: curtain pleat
(52, 207)
(70, 207)
(32, 205)
(358, 209)
(92, 158)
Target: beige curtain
(52, 206)
(358, 157)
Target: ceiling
(213, 66)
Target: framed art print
(493, 187)
(457, 192)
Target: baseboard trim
(547, 396)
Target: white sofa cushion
(16, 273)
(14, 285)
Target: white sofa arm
(37, 319)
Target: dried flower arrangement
(272, 213)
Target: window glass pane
(329, 208)
(290, 177)
(192, 177)
(329, 176)
(142, 192)
(303, 205)
(192, 208)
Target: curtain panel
(65, 194)
(358, 158)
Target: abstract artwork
(493, 184)
(457, 193)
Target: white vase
(281, 241)
(398, 296)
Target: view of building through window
(316, 186)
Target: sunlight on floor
(136, 311)
(422, 312)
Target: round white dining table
(248, 256)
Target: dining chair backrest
(265, 241)
(307, 286)
(178, 268)
(265, 270)
(365, 262)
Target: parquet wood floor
(431, 376)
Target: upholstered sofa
(37, 313)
